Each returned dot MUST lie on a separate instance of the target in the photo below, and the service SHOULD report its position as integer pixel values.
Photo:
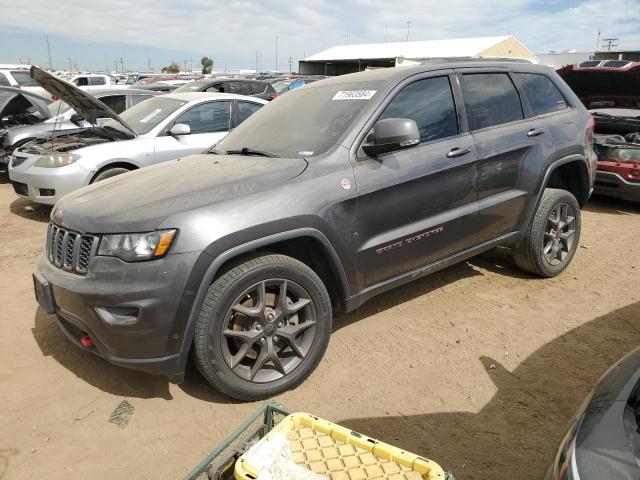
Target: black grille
(21, 188)
(589, 64)
(70, 250)
(615, 63)
(16, 161)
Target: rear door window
(541, 92)
(430, 104)
(246, 109)
(98, 81)
(490, 99)
(81, 81)
(208, 117)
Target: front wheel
(108, 173)
(263, 327)
(553, 237)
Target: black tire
(211, 339)
(108, 173)
(530, 254)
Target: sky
(234, 33)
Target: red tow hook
(86, 341)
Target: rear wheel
(263, 327)
(108, 173)
(553, 237)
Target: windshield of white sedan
(305, 122)
(146, 115)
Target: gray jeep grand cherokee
(324, 198)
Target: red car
(610, 89)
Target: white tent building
(353, 58)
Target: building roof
(459, 47)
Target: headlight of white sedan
(57, 160)
(135, 247)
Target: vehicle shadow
(516, 434)
(604, 204)
(497, 260)
(93, 369)
(25, 208)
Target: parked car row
(58, 159)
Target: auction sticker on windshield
(354, 94)
(151, 115)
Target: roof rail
(466, 59)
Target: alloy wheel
(268, 330)
(559, 234)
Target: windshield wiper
(250, 152)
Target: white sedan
(161, 128)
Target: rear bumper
(613, 185)
(148, 292)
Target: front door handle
(457, 152)
(534, 132)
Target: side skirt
(357, 300)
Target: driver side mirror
(180, 129)
(392, 134)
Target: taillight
(54, 98)
(591, 125)
(273, 97)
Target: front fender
(211, 260)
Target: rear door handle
(534, 132)
(457, 152)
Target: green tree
(207, 65)
(173, 67)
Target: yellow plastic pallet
(340, 454)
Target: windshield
(57, 108)
(146, 115)
(282, 86)
(192, 87)
(303, 123)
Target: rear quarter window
(4, 81)
(490, 99)
(541, 92)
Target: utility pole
(610, 43)
(257, 71)
(185, 64)
(598, 41)
(191, 65)
(121, 64)
(276, 54)
(386, 31)
(49, 50)
(408, 26)
(148, 64)
(260, 65)
(70, 66)
(290, 63)
(116, 64)
(347, 35)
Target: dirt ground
(478, 367)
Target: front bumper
(48, 185)
(613, 185)
(150, 292)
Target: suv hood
(141, 200)
(85, 104)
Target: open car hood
(14, 101)
(85, 104)
(604, 87)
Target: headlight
(134, 247)
(57, 160)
